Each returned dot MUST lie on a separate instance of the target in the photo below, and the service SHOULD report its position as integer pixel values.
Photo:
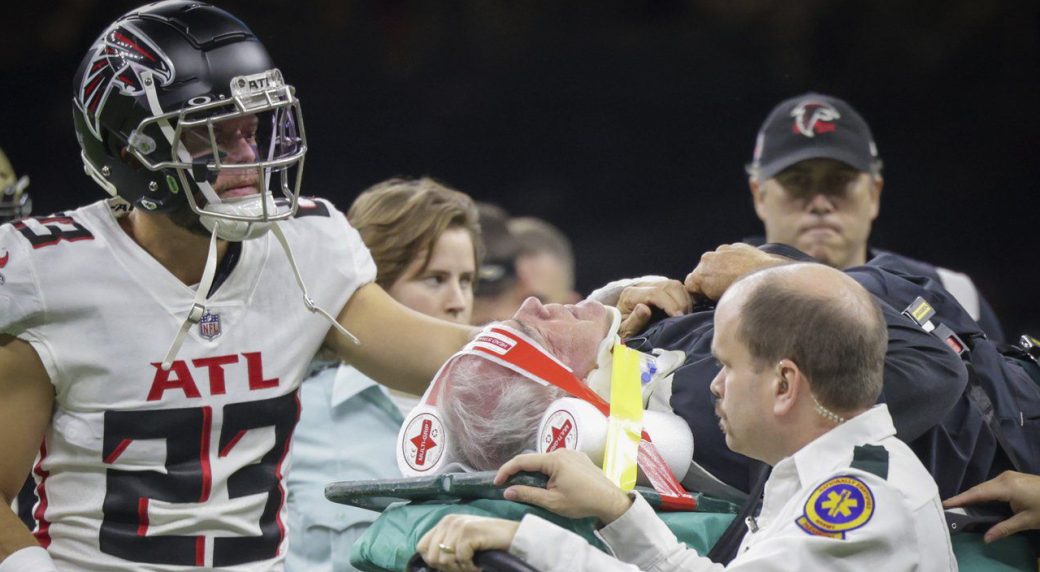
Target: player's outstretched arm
(400, 347)
(26, 399)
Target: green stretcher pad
(390, 541)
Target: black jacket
(926, 386)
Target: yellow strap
(625, 424)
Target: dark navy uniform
(926, 387)
(956, 283)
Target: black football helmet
(14, 201)
(179, 101)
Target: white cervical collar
(660, 365)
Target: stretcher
(412, 506)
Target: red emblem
(423, 451)
(559, 431)
(813, 117)
(4, 259)
(423, 442)
(559, 436)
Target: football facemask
(240, 159)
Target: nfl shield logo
(209, 325)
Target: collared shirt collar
(823, 456)
(349, 382)
(831, 450)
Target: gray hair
(492, 412)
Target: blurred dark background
(625, 123)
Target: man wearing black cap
(816, 182)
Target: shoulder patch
(871, 459)
(837, 506)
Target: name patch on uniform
(837, 506)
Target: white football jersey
(145, 469)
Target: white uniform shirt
(891, 524)
(143, 469)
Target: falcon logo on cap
(812, 117)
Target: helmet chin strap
(198, 308)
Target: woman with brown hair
(425, 240)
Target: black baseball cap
(813, 126)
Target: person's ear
(787, 384)
(876, 184)
(757, 197)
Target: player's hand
(576, 489)
(635, 304)
(451, 544)
(719, 269)
(1021, 491)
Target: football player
(151, 344)
(15, 203)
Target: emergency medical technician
(816, 181)
(801, 348)
(152, 344)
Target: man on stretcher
(801, 349)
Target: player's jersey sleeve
(21, 305)
(342, 256)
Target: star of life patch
(837, 506)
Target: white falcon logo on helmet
(812, 117)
